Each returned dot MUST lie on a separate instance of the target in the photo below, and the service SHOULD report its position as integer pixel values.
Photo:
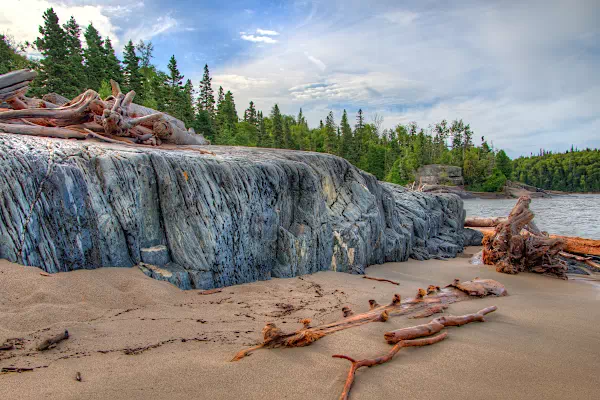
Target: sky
(523, 74)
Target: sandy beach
(133, 337)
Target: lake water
(573, 215)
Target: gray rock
(243, 215)
(472, 237)
(437, 174)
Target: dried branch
(381, 280)
(46, 344)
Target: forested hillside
(572, 171)
(68, 67)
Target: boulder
(437, 174)
(472, 237)
(205, 221)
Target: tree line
(68, 68)
(571, 171)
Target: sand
(543, 342)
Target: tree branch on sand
(425, 303)
(410, 337)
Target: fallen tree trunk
(483, 221)
(423, 303)
(410, 337)
(512, 251)
(46, 344)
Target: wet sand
(136, 338)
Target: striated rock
(204, 221)
(472, 237)
(438, 174)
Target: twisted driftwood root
(422, 304)
(513, 248)
(409, 337)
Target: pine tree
(277, 127)
(262, 133)
(187, 103)
(330, 131)
(113, 65)
(132, 76)
(288, 142)
(145, 50)
(75, 79)
(55, 65)
(206, 100)
(174, 82)
(10, 57)
(250, 114)
(347, 143)
(95, 65)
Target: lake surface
(573, 215)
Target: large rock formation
(203, 221)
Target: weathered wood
(46, 344)
(381, 280)
(414, 336)
(274, 337)
(36, 130)
(484, 221)
(513, 249)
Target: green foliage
(54, 66)
(113, 68)
(75, 81)
(494, 182)
(572, 171)
(105, 90)
(277, 127)
(133, 78)
(95, 59)
(10, 57)
(503, 163)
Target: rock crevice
(204, 221)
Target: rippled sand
(542, 343)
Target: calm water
(573, 215)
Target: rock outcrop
(438, 174)
(204, 221)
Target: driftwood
(46, 344)
(484, 221)
(381, 280)
(116, 119)
(409, 337)
(512, 249)
(274, 337)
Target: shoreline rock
(243, 215)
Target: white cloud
(266, 32)
(522, 74)
(258, 39)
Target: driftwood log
(381, 280)
(116, 119)
(425, 303)
(46, 344)
(410, 337)
(512, 248)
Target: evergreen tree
(95, 63)
(75, 79)
(346, 142)
(250, 114)
(174, 83)
(132, 76)
(187, 103)
(262, 132)
(145, 50)
(504, 164)
(10, 57)
(330, 132)
(55, 64)
(206, 100)
(112, 63)
(277, 132)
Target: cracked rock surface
(204, 221)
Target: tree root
(409, 337)
(273, 337)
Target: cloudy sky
(524, 74)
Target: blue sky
(523, 74)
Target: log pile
(115, 119)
